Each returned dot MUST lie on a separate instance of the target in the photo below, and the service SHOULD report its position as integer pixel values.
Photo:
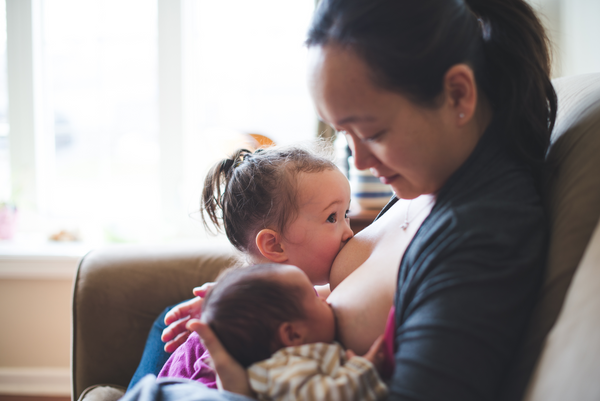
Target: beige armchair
(120, 291)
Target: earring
(461, 115)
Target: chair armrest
(118, 293)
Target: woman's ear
(461, 93)
(269, 245)
(291, 334)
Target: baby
(270, 320)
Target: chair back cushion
(572, 196)
(570, 361)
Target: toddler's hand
(176, 332)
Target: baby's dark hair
(251, 191)
(245, 309)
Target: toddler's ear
(269, 245)
(291, 334)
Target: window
(133, 100)
(4, 160)
(111, 111)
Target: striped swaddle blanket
(316, 371)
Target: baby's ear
(291, 334)
(269, 245)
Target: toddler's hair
(245, 309)
(251, 191)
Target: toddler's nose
(348, 233)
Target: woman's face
(414, 149)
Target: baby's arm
(375, 354)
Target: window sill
(26, 260)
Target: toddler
(269, 319)
(285, 205)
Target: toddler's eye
(332, 218)
(346, 214)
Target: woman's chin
(404, 190)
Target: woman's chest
(364, 276)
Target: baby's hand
(375, 354)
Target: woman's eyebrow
(356, 119)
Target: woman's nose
(363, 158)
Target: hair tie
(486, 29)
(226, 165)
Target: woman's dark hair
(252, 191)
(245, 309)
(410, 45)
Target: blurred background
(112, 111)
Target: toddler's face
(315, 237)
(320, 320)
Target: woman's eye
(374, 138)
(332, 218)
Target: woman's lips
(388, 180)
(385, 179)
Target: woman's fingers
(233, 376)
(174, 329)
(172, 345)
(192, 308)
(203, 289)
(176, 319)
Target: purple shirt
(191, 361)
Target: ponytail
(215, 186)
(516, 75)
(410, 45)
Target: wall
(574, 32)
(35, 311)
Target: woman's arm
(463, 300)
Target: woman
(449, 102)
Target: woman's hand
(176, 332)
(232, 375)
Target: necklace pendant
(404, 225)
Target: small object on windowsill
(65, 236)
(8, 220)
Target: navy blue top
(468, 280)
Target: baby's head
(257, 310)
(282, 204)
